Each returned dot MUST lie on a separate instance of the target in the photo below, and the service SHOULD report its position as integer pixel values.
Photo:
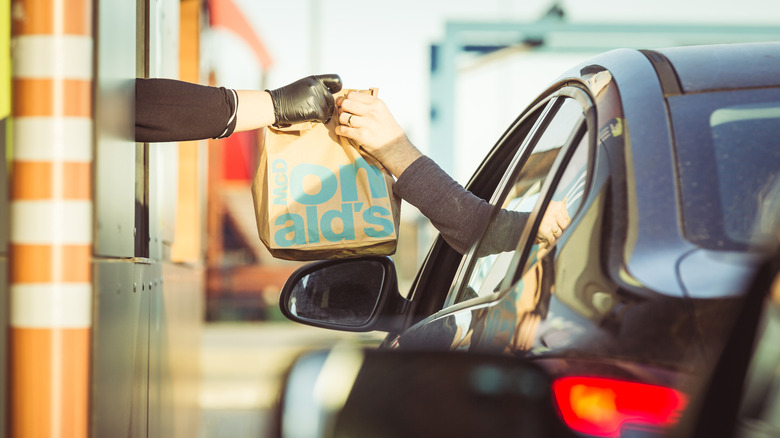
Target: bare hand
(555, 220)
(367, 120)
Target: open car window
(438, 274)
(564, 203)
(489, 261)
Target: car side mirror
(347, 392)
(359, 294)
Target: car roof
(658, 247)
(725, 66)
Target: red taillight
(601, 407)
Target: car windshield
(728, 158)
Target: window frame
(441, 264)
(552, 103)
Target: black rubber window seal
(670, 83)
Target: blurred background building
(142, 303)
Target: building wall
(149, 307)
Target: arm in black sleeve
(171, 110)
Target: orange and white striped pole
(51, 218)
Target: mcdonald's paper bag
(318, 196)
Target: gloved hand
(307, 99)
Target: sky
(386, 44)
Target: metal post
(50, 276)
(443, 74)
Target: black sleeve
(171, 110)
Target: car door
(549, 171)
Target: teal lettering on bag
(279, 174)
(373, 216)
(295, 227)
(311, 224)
(347, 220)
(349, 175)
(298, 229)
(328, 184)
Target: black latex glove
(307, 99)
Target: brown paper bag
(318, 196)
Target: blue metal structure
(552, 34)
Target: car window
(433, 284)
(728, 149)
(563, 205)
(493, 255)
(759, 414)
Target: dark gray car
(668, 164)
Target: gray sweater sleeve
(459, 215)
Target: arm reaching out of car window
(459, 215)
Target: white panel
(53, 139)
(163, 194)
(58, 56)
(51, 305)
(31, 222)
